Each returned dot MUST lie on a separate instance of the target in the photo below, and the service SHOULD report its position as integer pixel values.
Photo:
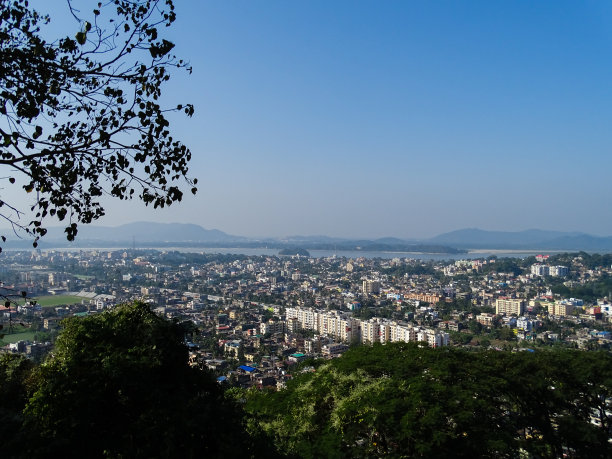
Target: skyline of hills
(186, 234)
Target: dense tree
(402, 400)
(119, 385)
(15, 372)
(80, 116)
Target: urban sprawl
(254, 317)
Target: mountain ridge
(535, 239)
(183, 234)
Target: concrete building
(559, 308)
(559, 271)
(370, 287)
(509, 306)
(272, 327)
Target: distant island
(294, 251)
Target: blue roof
(246, 368)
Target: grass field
(26, 336)
(57, 300)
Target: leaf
(81, 38)
(160, 50)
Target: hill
(534, 239)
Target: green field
(26, 336)
(57, 300)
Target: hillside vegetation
(402, 400)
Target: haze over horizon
(368, 119)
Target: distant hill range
(160, 235)
(533, 239)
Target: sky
(406, 119)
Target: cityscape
(284, 309)
(285, 230)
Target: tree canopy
(402, 400)
(119, 385)
(81, 116)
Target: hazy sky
(407, 118)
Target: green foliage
(119, 384)
(504, 265)
(590, 291)
(461, 338)
(402, 269)
(81, 116)
(401, 400)
(15, 373)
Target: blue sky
(395, 118)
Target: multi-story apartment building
(540, 270)
(370, 331)
(559, 271)
(545, 270)
(272, 327)
(427, 297)
(343, 327)
(509, 306)
(523, 323)
(370, 287)
(485, 319)
(559, 308)
(403, 333)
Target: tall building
(560, 308)
(540, 270)
(509, 306)
(559, 271)
(371, 287)
(342, 326)
(370, 331)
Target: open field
(26, 335)
(57, 300)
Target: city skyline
(360, 119)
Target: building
(430, 298)
(370, 331)
(559, 271)
(560, 308)
(370, 287)
(341, 326)
(334, 349)
(272, 327)
(540, 270)
(509, 306)
(485, 319)
(523, 323)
